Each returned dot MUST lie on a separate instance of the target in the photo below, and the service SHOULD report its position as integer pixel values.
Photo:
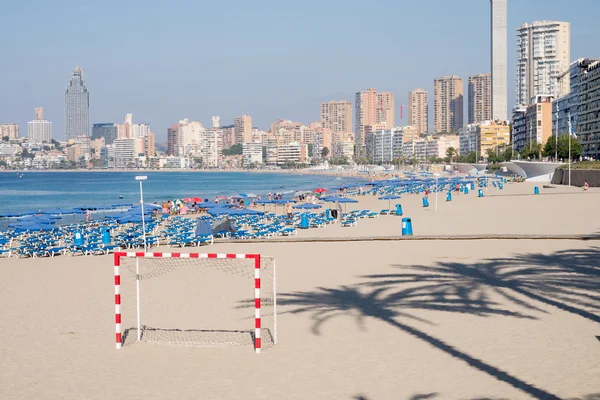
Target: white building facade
(543, 53)
(39, 131)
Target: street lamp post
(141, 179)
(436, 190)
(137, 260)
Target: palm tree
(450, 153)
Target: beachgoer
(457, 188)
(88, 215)
(288, 210)
(427, 192)
(586, 186)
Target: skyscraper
(543, 53)
(480, 98)
(447, 104)
(498, 47)
(242, 126)
(77, 104)
(373, 109)
(337, 116)
(418, 115)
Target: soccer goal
(199, 300)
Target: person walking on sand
(88, 216)
(288, 210)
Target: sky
(169, 60)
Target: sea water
(34, 191)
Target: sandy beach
(368, 320)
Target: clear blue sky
(169, 60)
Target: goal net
(200, 300)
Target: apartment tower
(447, 104)
(498, 59)
(543, 53)
(480, 98)
(242, 127)
(337, 116)
(418, 104)
(373, 109)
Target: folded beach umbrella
(389, 198)
(307, 206)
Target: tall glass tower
(77, 106)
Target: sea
(28, 191)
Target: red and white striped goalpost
(117, 264)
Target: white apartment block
(286, 153)
(252, 153)
(125, 152)
(189, 138)
(211, 147)
(468, 139)
(385, 145)
(543, 53)
(39, 131)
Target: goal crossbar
(257, 286)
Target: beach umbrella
(192, 199)
(307, 206)
(320, 190)
(233, 211)
(389, 198)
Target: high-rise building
(498, 59)
(337, 116)
(77, 104)
(216, 122)
(38, 113)
(480, 98)
(543, 53)
(39, 131)
(11, 131)
(106, 131)
(418, 114)
(172, 139)
(447, 104)
(242, 126)
(373, 109)
(149, 145)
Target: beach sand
(511, 319)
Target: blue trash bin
(425, 202)
(449, 196)
(398, 209)
(480, 193)
(472, 185)
(462, 189)
(500, 186)
(304, 221)
(105, 236)
(536, 190)
(466, 190)
(406, 227)
(78, 239)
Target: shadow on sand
(567, 280)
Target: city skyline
(220, 90)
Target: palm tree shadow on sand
(566, 280)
